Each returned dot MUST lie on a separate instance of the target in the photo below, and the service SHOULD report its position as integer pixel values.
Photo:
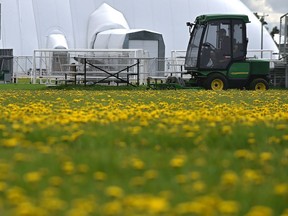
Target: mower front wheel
(216, 82)
(259, 84)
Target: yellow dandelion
(195, 175)
(226, 130)
(88, 205)
(77, 100)
(274, 140)
(144, 123)
(244, 154)
(281, 126)
(135, 130)
(281, 189)
(15, 195)
(178, 161)
(2, 127)
(3, 186)
(50, 192)
(199, 186)
(251, 140)
(56, 181)
(229, 178)
(100, 176)
(197, 208)
(265, 156)
(112, 208)
(138, 164)
(53, 204)
(157, 205)
(151, 174)
(285, 137)
(5, 170)
(228, 207)
(260, 211)
(68, 167)
(10, 143)
(16, 126)
(252, 176)
(114, 191)
(28, 208)
(32, 177)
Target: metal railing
(51, 66)
(48, 66)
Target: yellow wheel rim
(217, 84)
(260, 86)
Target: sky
(272, 9)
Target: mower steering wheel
(209, 45)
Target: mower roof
(202, 19)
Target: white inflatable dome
(27, 25)
(102, 19)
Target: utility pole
(285, 16)
(263, 22)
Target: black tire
(259, 84)
(216, 82)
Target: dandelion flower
(114, 191)
(32, 177)
(178, 161)
(100, 176)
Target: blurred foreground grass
(137, 152)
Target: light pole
(263, 22)
(285, 43)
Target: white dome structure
(102, 19)
(108, 29)
(30, 24)
(56, 41)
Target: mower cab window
(216, 48)
(193, 46)
(239, 42)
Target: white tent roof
(27, 24)
(102, 19)
(114, 38)
(56, 40)
(111, 39)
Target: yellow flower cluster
(121, 152)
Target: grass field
(133, 152)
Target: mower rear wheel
(259, 84)
(216, 82)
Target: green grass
(182, 152)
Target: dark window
(216, 49)
(238, 42)
(193, 46)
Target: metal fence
(51, 66)
(22, 66)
